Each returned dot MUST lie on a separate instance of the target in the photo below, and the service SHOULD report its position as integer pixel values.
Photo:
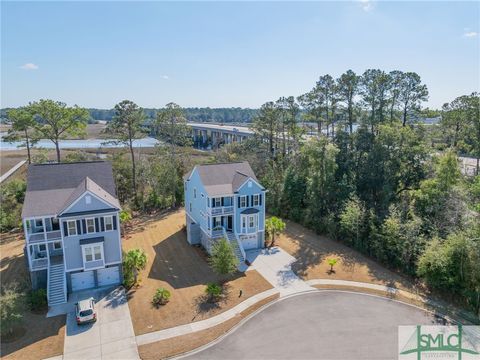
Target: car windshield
(86, 312)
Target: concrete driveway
(322, 325)
(275, 266)
(111, 337)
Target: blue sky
(218, 54)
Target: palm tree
(274, 226)
(134, 261)
(332, 262)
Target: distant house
(225, 200)
(72, 230)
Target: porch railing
(41, 263)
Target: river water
(76, 144)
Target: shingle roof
(53, 187)
(221, 179)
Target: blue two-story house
(225, 200)
(71, 222)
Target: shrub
(214, 291)
(11, 306)
(223, 259)
(38, 299)
(133, 261)
(161, 297)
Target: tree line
(218, 115)
(382, 188)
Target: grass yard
(39, 337)
(312, 252)
(183, 270)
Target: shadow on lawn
(314, 249)
(182, 265)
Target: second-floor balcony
(44, 236)
(221, 210)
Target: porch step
(232, 238)
(56, 285)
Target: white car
(85, 311)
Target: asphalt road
(322, 325)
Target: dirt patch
(43, 337)
(181, 344)
(312, 252)
(183, 270)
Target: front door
(229, 223)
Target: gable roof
(221, 179)
(51, 188)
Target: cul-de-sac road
(321, 325)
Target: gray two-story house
(71, 221)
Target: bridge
(213, 135)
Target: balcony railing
(223, 210)
(42, 237)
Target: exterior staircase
(238, 251)
(56, 284)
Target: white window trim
(100, 244)
(86, 225)
(256, 200)
(105, 222)
(243, 199)
(219, 202)
(68, 227)
(55, 243)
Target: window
(88, 199)
(93, 252)
(90, 225)
(256, 200)
(190, 207)
(218, 202)
(217, 221)
(243, 201)
(108, 223)
(39, 223)
(42, 247)
(251, 221)
(244, 222)
(194, 193)
(72, 227)
(57, 245)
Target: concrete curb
(203, 324)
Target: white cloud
(367, 5)
(165, 77)
(470, 34)
(29, 66)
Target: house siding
(245, 190)
(73, 250)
